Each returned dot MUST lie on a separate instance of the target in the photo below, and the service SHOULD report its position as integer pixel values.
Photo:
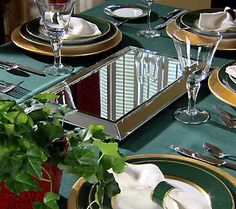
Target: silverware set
(226, 117)
(13, 90)
(8, 66)
(215, 151)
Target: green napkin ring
(160, 192)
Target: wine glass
(195, 54)
(149, 32)
(55, 16)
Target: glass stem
(192, 85)
(56, 43)
(149, 16)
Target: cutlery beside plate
(197, 156)
(217, 152)
(12, 66)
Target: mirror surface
(122, 86)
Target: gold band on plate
(75, 51)
(220, 91)
(226, 44)
(73, 200)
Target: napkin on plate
(218, 21)
(137, 184)
(78, 27)
(231, 70)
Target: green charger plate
(190, 19)
(225, 78)
(219, 185)
(34, 29)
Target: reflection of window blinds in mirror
(120, 98)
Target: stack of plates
(223, 86)
(190, 20)
(32, 37)
(201, 179)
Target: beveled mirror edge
(124, 126)
(130, 122)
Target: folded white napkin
(78, 27)
(231, 70)
(137, 184)
(218, 21)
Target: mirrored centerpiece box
(123, 91)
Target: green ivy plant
(31, 134)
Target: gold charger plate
(79, 195)
(67, 51)
(220, 91)
(225, 44)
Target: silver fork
(6, 87)
(224, 113)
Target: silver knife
(23, 67)
(197, 156)
(164, 24)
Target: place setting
(200, 25)
(150, 181)
(203, 22)
(86, 35)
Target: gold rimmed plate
(126, 11)
(218, 187)
(220, 87)
(114, 38)
(34, 31)
(228, 44)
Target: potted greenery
(32, 136)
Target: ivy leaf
(99, 195)
(5, 105)
(33, 161)
(97, 132)
(49, 202)
(81, 162)
(111, 186)
(44, 97)
(48, 131)
(62, 111)
(39, 115)
(110, 149)
(22, 182)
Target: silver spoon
(217, 152)
(117, 24)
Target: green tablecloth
(161, 131)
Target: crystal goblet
(55, 16)
(149, 32)
(195, 53)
